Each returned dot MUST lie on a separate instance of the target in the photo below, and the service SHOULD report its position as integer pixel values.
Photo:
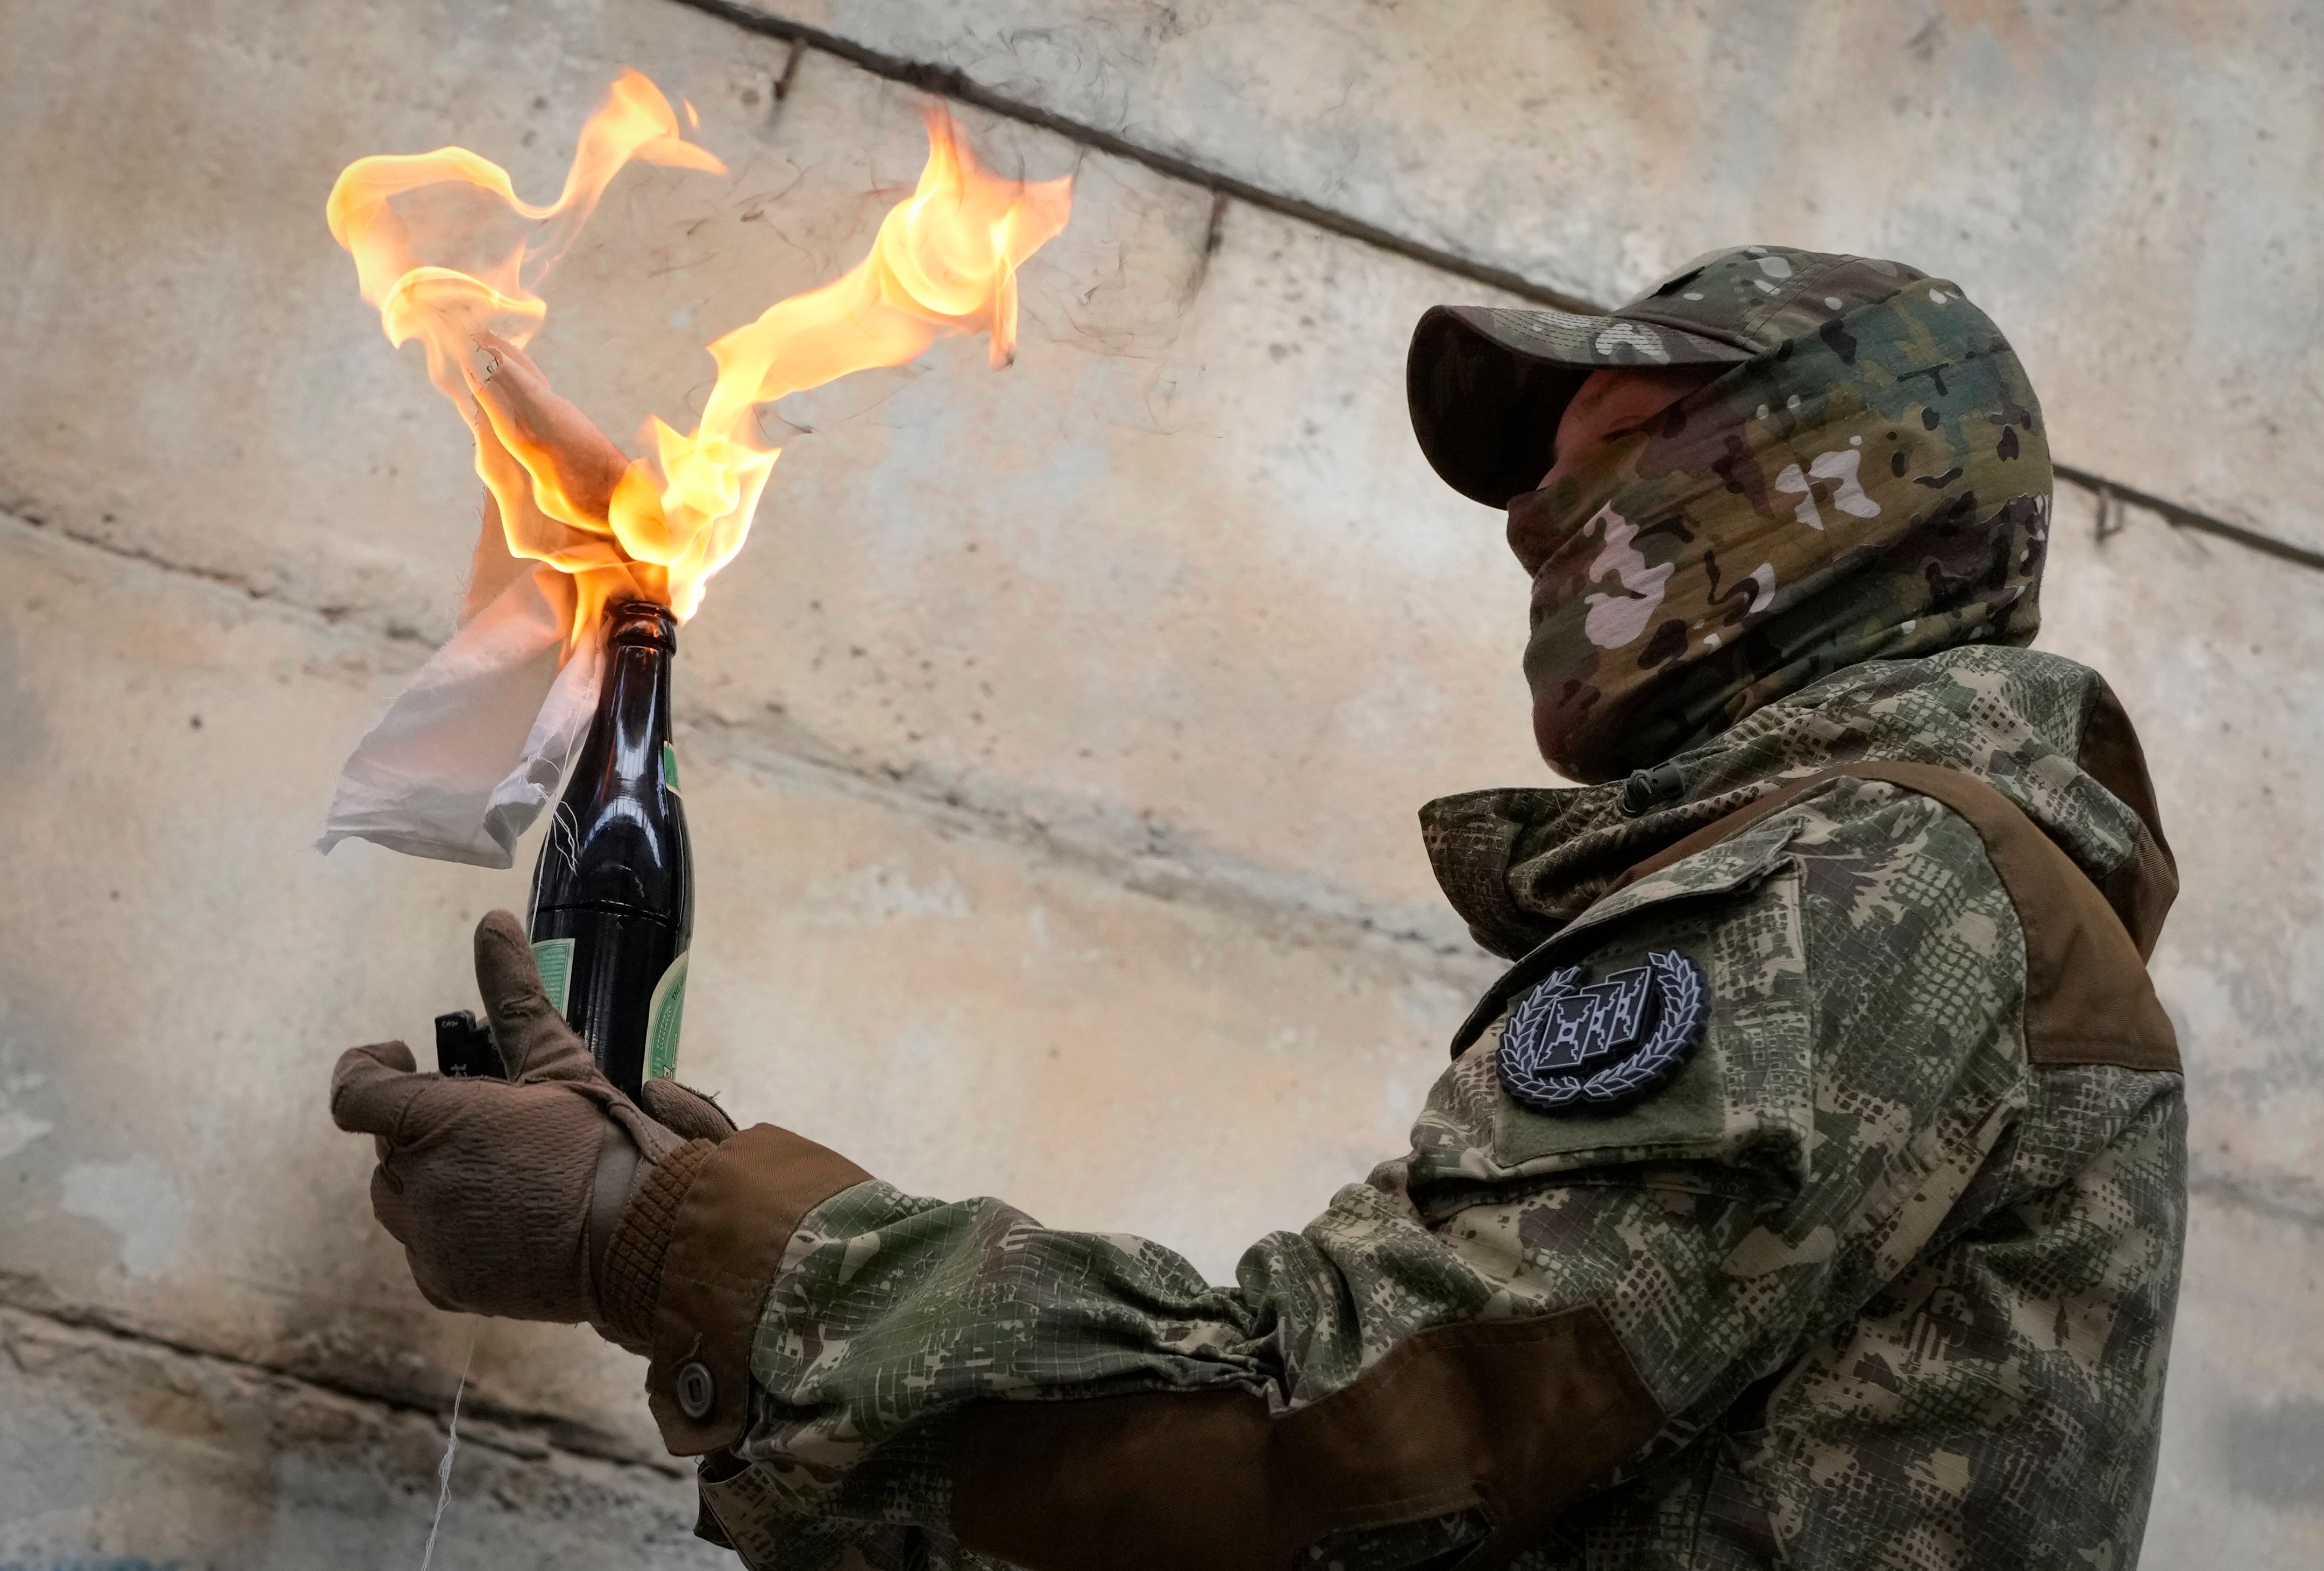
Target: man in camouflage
(1809, 1192)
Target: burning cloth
(466, 758)
(469, 754)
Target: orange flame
(945, 262)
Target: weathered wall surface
(1054, 745)
(2125, 186)
(113, 1440)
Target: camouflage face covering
(1870, 480)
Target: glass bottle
(612, 894)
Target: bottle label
(554, 958)
(669, 766)
(663, 1017)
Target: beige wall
(1052, 750)
(2128, 188)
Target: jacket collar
(1519, 863)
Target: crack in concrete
(25, 511)
(31, 515)
(1214, 235)
(526, 1431)
(952, 82)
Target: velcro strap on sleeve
(630, 1282)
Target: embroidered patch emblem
(1569, 1046)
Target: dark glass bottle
(612, 894)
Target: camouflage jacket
(1884, 1275)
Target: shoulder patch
(1571, 1046)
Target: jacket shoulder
(1860, 972)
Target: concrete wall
(1054, 746)
(2128, 188)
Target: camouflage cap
(1487, 386)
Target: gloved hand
(510, 1198)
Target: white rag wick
(468, 754)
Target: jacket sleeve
(1491, 1326)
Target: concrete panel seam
(29, 514)
(2278, 1196)
(524, 1431)
(1286, 906)
(951, 82)
(2183, 517)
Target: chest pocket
(1736, 1117)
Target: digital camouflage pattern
(1905, 1296)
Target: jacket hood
(2048, 733)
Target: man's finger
(534, 1041)
(371, 1086)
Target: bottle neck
(633, 720)
(633, 711)
(617, 840)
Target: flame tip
(944, 260)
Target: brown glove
(509, 1198)
(686, 1111)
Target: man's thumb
(534, 1041)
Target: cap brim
(1487, 386)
